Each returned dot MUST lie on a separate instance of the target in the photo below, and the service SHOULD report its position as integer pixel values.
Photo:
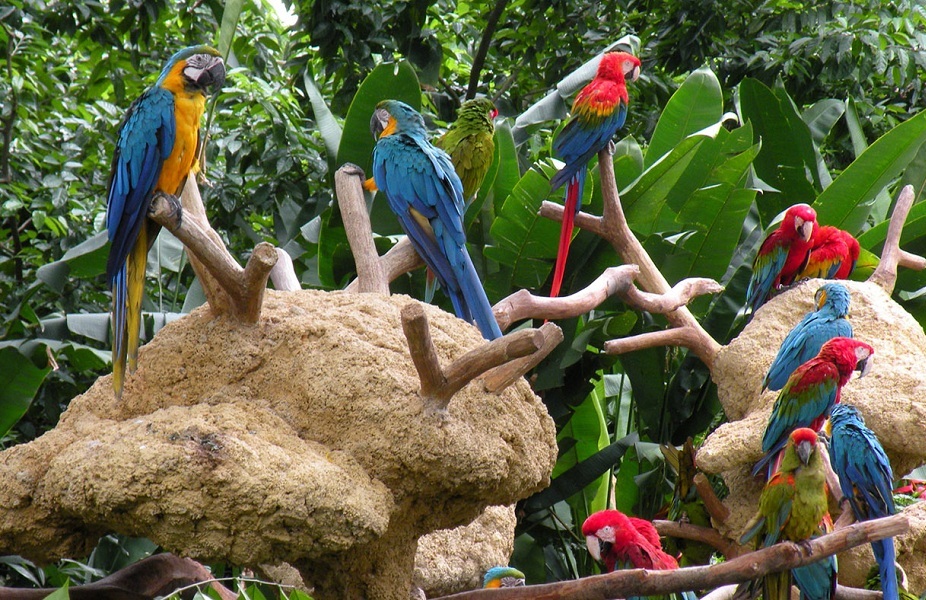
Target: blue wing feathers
(579, 141)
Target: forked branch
(885, 274)
(439, 384)
(612, 226)
(229, 288)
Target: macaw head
(602, 530)
(478, 111)
(393, 116)
(834, 296)
(843, 414)
(848, 355)
(194, 69)
(804, 441)
(619, 67)
(800, 219)
(501, 577)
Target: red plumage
(833, 254)
(782, 255)
(618, 540)
(598, 111)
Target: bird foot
(175, 209)
(806, 547)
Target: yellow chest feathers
(188, 110)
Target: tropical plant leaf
(21, 382)
(325, 120)
(83, 261)
(230, 17)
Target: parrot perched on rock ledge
(155, 152)
(598, 111)
(426, 194)
(503, 577)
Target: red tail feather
(565, 236)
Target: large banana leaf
(695, 105)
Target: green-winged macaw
(598, 111)
(782, 255)
(791, 507)
(866, 479)
(811, 393)
(426, 194)
(155, 152)
(833, 254)
(502, 577)
(802, 343)
(470, 142)
(621, 542)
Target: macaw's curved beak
(380, 123)
(804, 450)
(597, 546)
(212, 75)
(863, 366)
(804, 228)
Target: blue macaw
(816, 328)
(155, 152)
(425, 192)
(866, 479)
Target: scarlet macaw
(622, 542)
(791, 507)
(471, 145)
(598, 111)
(426, 194)
(866, 479)
(155, 152)
(782, 255)
(804, 341)
(811, 392)
(833, 254)
(502, 577)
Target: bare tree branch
(502, 376)
(612, 226)
(438, 384)
(708, 535)
(640, 582)
(229, 288)
(481, 52)
(885, 274)
(348, 185)
(715, 508)
(283, 274)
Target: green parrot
(791, 507)
(470, 142)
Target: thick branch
(283, 274)
(483, 50)
(639, 582)
(229, 288)
(715, 508)
(399, 260)
(348, 185)
(502, 376)
(440, 384)
(707, 535)
(885, 274)
(154, 577)
(612, 226)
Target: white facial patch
(192, 73)
(631, 70)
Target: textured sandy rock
(892, 397)
(454, 560)
(299, 439)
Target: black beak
(378, 122)
(863, 366)
(212, 77)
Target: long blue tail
(817, 581)
(476, 301)
(884, 554)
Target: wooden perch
(885, 274)
(715, 508)
(229, 288)
(438, 384)
(639, 582)
(612, 226)
(696, 533)
(374, 272)
(154, 577)
(283, 274)
(613, 281)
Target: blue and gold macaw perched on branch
(155, 153)
(425, 192)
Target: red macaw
(426, 194)
(155, 152)
(598, 111)
(791, 507)
(866, 479)
(782, 255)
(811, 392)
(803, 342)
(833, 254)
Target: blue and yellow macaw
(866, 479)
(155, 152)
(816, 328)
(425, 192)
